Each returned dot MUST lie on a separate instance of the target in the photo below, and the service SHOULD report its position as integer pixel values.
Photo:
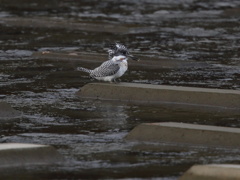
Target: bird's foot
(115, 81)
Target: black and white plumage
(119, 49)
(113, 68)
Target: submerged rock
(186, 134)
(19, 154)
(7, 112)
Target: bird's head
(119, 49)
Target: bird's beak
(134, 58)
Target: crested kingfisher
(115, 67)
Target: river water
(90, 134)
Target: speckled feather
(107, 68)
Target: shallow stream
(90, 134)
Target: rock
(16, 154)
(52, 23)
(161, 94)
(212, 172)
(189, 134)
(96, 59)
(7, 112)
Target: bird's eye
(123, 53)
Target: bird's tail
(84, 70)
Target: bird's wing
(107, 68)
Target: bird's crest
(117, 49)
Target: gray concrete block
(96, 59)
(183, 133)
(15, 154)
(7, 112)
(73, 25)
(212, 172)
(71, 56)
(159, 94)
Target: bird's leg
(115, 81)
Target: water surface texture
(90, 133)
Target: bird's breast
(124, 63)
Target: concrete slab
(160, 94)
(71, 56)
(94, 58)
(37, 22)
(183, 133)
(7, 112)
(212, 172)
(16, 154)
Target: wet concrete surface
(90, 133)
(186, 134)
(96, 58)
(19, 154)
(177, 96)
(213, 172)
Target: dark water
(90, 133)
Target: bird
(113, 68)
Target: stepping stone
(52, 23)
(16, 154)
(189, 134)
(212, 172)
(96, 59)
(160, 94)
(7, 112)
